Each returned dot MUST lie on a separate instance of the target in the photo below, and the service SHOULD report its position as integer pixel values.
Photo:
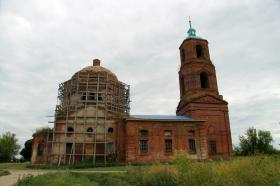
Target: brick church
(92, 121)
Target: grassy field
(258, 170)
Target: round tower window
(110, 130)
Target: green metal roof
(192, 33)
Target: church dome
(97, 69)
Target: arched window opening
(110, 130)
(90, 130)
(204, 80)
(182, 83)
(199, 51)
(144, 132)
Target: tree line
(255, 142)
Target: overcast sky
(43, 43)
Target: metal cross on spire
(191, 31)
(190, 22)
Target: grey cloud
(45, 43)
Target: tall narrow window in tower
(182, 55)
(182, 83)
(199, 51)
(204, 80)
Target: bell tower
(199, 94)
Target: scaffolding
(89, 109)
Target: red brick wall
(216, 123)
(204, 103)
(157, 138)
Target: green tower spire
(192, 32)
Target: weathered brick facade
(92, 121)
(199, 95)
(180, 134)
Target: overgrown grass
(258, 170)
(54, 179)
(13, 165)
(74, 166)
(4, 173)
(89, 166)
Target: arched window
(110, 130)
(199, 51)
(90, 130)
(204, 80)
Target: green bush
(4, 173)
